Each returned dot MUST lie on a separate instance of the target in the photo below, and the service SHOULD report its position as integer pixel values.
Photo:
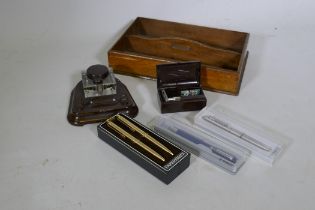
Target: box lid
(184, 73)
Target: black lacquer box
(145, 147)
(178, 86)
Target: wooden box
(148, 42)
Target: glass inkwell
(98, 81)
(98, 96)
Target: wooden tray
(148, 42)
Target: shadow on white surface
(253, 67)
(75, 78)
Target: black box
(178, 86)
(175, 161)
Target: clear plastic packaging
(236, 130)
(230, 158)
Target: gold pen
(133, 127)
(124, 134)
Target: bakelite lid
(184, 73)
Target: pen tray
(148, 42)
(165, 169)
(229, 158)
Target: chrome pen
(225, 126)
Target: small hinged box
(178, 86)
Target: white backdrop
(45, 163)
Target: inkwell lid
(97, 73)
